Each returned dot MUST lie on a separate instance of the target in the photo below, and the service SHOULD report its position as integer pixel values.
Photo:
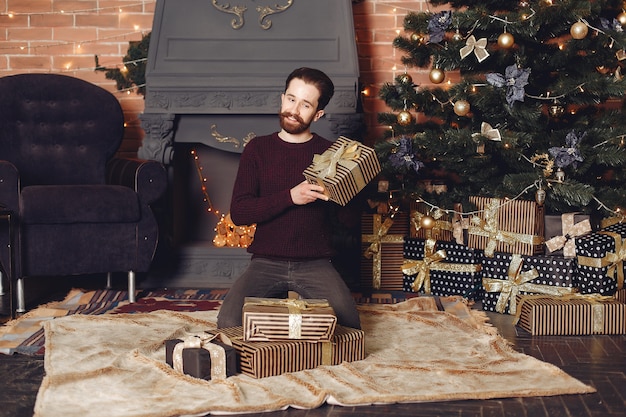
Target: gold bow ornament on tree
(479, 47)
(489, 132)
(519, 282)
(570, 231)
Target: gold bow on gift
(519, 281)
(326, 164)
(421, 268)
(489, 132)
(204, 341)
(476, 46)
(610, 221)
(489, 228)
(570, 231)
(373, 251)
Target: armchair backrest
(58, 129)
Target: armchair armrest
(9, 186)
(147, 178)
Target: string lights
(227, 233)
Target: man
(292, 247)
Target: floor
(596, 360)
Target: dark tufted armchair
(77, 209)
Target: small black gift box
(197, 360)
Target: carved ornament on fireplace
(230, 139)
(238, 11)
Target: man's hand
(305, 193)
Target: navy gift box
(539, 274)
(459, 273)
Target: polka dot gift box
(506, 275)
(600, 256)
(441, 268)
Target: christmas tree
(536, 114)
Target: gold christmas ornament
(621, 18)
(457, 37)
(461, 107)
(405, 79)
(427, 222)
(417, 37)
(437, 76)
(579, 30)
(506, 40)
(404, 118)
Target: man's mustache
(295, 116)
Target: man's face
(299, 107)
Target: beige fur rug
(113, 365)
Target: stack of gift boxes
(277, 336)
(553, 274)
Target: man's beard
(289, 127)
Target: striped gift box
(348, 174)
(269, 319)
(571, 315)
(264, 359)
(382, 269)
(519, 226)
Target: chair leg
(109, 280)
(19, 293)
(131, 286)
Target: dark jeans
(272, 279)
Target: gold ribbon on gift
(375, 240)
(517, 282)
(421, 267)
(204, 341)
(610, 221)
(489, 228)
(476, 46)
(596, 301)
(570, 232)
(295, 307)
(613, 261)
(438, 225)
(326, 164)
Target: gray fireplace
(215, 73)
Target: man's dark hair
(317, 78)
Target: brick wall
(63, 36)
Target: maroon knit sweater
(269, 167)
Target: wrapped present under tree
(562, 231)
(576, 314)
(512, 226)
(600, 256)
(382, 238)
(441, 268)
(507, 275)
